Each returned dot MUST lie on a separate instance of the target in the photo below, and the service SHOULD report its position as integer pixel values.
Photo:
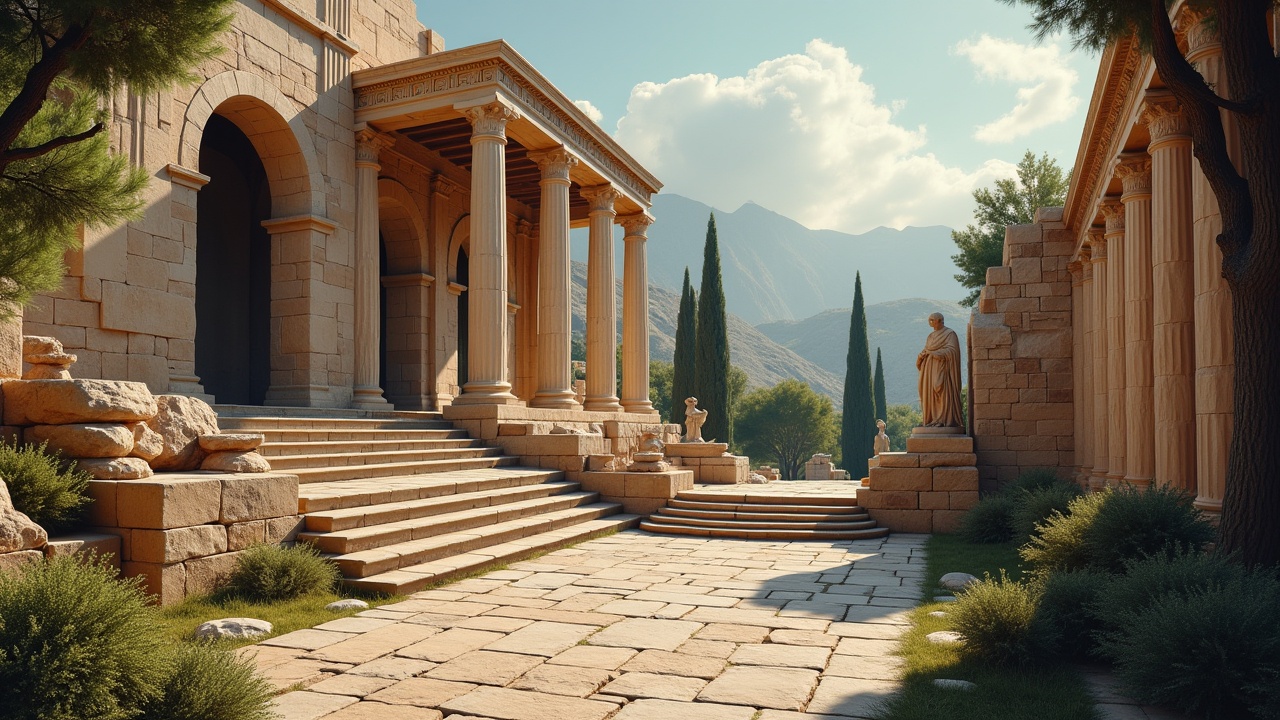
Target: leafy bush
(1134, 523)
(1067, 607)
(270, 572)
(1147, 580)
(988, 521)
(1059, 543)
(43, 486)
(210, 683)
(1035, 479)
(75, 643)
(998, 621)
(1211, 650)
(1033, 507)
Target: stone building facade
(1103, 345)
(342, 213)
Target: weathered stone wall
(1020, 388)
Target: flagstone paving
(629, 627)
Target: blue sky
(841, 114)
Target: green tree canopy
(882, 402)
(786, 424)
(682, 382)
(660, 375)
(1040, 183)
(858, 414)
(899, 421)
(711, 368)
(58, 58)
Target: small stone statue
(693, 420)
(882, 440)
(939, 366)
(648, 455)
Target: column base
(637, 406)
(555, 399)
(190, 386)
(1097, 480)
(300, 396)
(1209, 506)
(1114, 479)
(601, 404)
(370, 398)
(486, 393)
(1142, 483)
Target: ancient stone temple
(1103, 343)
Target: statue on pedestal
(939, 366)
(882, 439)
(693, 420)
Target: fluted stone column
(1101, 458)
(1077, 372)
(635, 314)
(1215, 358)
(1084, 410)
(487, 381)
(367, 393)
(602, 309)
(1140, 443)
(555, 375)
(1113, 210)
(1173, 252)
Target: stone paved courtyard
(632, 626)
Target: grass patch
(1043, 693)
(180, 621)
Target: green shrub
(270, 572)
(1033, 507)
(1211, 650)
(1035, 479)
(1059, 543)
(998, 621)
(1146, 580)
(43, 486)
(1067, 608)
(988, 521)
(206, 682)
(1134, 523)
(75, 643)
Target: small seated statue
(693, 420)
(882, 440)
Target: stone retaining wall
(929, 488)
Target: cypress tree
(686, 341)
(711, 366)
(858, 422)
(882, 405)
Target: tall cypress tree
(711, 366)
(882, 405)
(858, 421)
(682, 381)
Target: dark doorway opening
(233, 268)
(382, 313)
(463, 323)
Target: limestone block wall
(926, 489)
(1020, 384)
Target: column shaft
(1135, 176)
(1101, 459)
(602, 309)
(635, 315)
(1115, 343)
(367, 392)
(487, 288)
(555, 375)
(1084, 410)
(1077, 371)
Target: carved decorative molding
(555, 163)
(187, 177)
(1134, 171)
(490, 120)
(524, 230)
(408, 280)
(636, 226)
(1201, 36)
(369, 143)
(1097, 244)
(601, 197)
(300, 222)
(1164, 118)
(1113, 211)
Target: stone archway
(406, 301)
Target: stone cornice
(499, 66)
(300, 222)
(408, 280)
(187, 177)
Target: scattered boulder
(957, 581)
(565, 430)
(947, 684)
(230, 442)
(937, 614)
(125, 468)
(236, 462)
(84, 440)
(348, 604)
(944, 637)
(63, 402)
(234, 628)
(180, 421)
(17, 531)
(46, 359)
(757, 479)
(147, 443)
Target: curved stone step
(751, 534)
(746, 497)
(679, 502)
(664, 518)
(352, 472)
(369, 515)
(764, 516)
(288, 463)
(340, 494)
(392, 533)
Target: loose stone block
(169, 501)
(62, 402)
(235, 461)
(258, 497)
(940, 444)
(178, 544)
(896, 478)
(180, 421)
(118, 468)
(230, 442)
(19, 558)
(147, 443)
(86, 440)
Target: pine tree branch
(35, 88)
(42, 148)
(1175, 70)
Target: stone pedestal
(640, 493)
(710, 462)
(928, 488)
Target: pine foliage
(682, 381)
(711, 373)
(882, 401)
(858, 422)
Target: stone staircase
(763, 516)
(401, 500)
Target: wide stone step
(287, 463)
(415, 577)
(382, 470)
(260, 423)
(367, 563)
(279, 449)
(680, 502)
(754, 534)
(323, 435)
(392, 533)
(311, 413)
(730, 523)
(340, 494)
(366, 516)
(767, 499)
(764, 516)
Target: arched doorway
(463, 274)
(233, 268)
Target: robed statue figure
(939, 365)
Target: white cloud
(1045, 85)
(591, 110)
(803, 135)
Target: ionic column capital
(1134, 171)
(1097, 243)
(1163, 117)
(1113, 211)
(1076, 268)
(369, 143)
(636, 226)
(524, 230)
(601, 198)
(555, 163)
(489, 121)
